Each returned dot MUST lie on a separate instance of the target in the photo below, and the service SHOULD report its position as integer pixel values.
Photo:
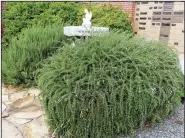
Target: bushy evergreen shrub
(17, 16)
(108, 86)
(21, 59)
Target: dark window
(166, 19)
(168, 2)
(167, 13)
(141, 28)
(160, 7)
(165, 24)
(142, 23)
(167, 7)
(153, 23)
(178, 13)
(160, 2)
(137, 9)
(143, 13)
(175, 43)
(136, 18)
(156, 13)
(150, 7)
(156, 18)
(135, 32)
(144, 2)
(142, 18)
(155, 7)
(137, 14)
(182, 31)
(158, 24)
(149, 18)
(173, 24)
(163, 35)
(156, 1)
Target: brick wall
(128, 7)
(2, 4)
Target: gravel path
(172, 127)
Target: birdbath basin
(83, 31)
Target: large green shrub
(108, 86)
(107, 15)
(21, 59)
(20, 15)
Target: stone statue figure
(86, 21)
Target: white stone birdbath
(86, 29)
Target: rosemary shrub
(23, 56)
(108, 86)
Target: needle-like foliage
(107, 86)
(21, 59)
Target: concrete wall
(163, 21)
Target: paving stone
(36, 129)
(5, 98)
(9, 130)
(3, 107)
(15, 96)
(22, 121)
(24, 101)
(28, 115)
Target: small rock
(179, 122)
(28, 115)
(15, 96)
(23, 101)
(37, 102)
(22, 121)
(3, 107)
(9, 130)
(5, 98)
(34, 92)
